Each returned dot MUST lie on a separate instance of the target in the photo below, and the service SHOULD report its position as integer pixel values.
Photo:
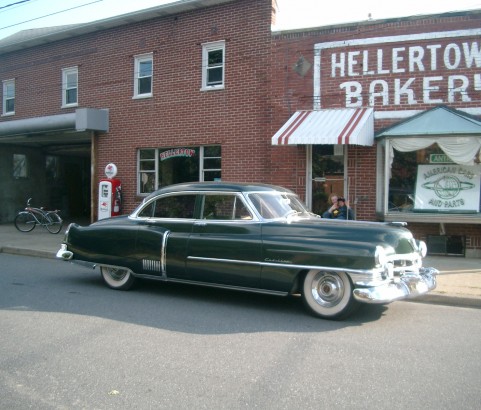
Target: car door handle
(200, 223)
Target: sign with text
(405, 70)
(448, 188)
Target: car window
(174, 206)
(225, 207)
(147, 211)
(277, 205)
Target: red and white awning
(336, 126)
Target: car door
(225, 243)
(165, 225)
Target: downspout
(93, 175)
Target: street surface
(69, 342)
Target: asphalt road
(69, 342)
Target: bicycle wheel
(53, 222)
(24, 221)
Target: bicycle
(28, 219)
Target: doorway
(328, 178)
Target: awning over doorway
(334, 126)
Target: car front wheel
(117, 278)
(329, 294)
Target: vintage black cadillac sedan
(258, 238)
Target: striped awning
(336, 126)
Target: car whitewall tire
(117, 278)
(329, 294)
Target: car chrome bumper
(63, 253)
(407, 286)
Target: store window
(213, 59)
(70, 87)
(159, 167)
(143, 74)
(8, 97)
(428, 181)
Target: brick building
(384, 112)
(126, 90)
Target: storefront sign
(407, 70)
(448, 188)
(177, 152)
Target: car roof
(220, 186)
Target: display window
(159, 167)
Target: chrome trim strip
(285, 265)
(163, 254)
(360, 277)
(213, 285)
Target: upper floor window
(143, 76)
(8, 97)
(70, 87)
(213, 62)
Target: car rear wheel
(329, 294)
(117, 278)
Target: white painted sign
(405, 70)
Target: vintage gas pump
(110, 194)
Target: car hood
(388, 235)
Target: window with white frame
(159, 167)
(420, 177)
(143, 73)
(70, 87)
(8, 97)
(213, 65)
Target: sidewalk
(458, 284)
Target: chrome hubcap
(327, 289)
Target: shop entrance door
(327, 175)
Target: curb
(455, 301)
(27, 252)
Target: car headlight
(380, 256)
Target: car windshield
(278, 205)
